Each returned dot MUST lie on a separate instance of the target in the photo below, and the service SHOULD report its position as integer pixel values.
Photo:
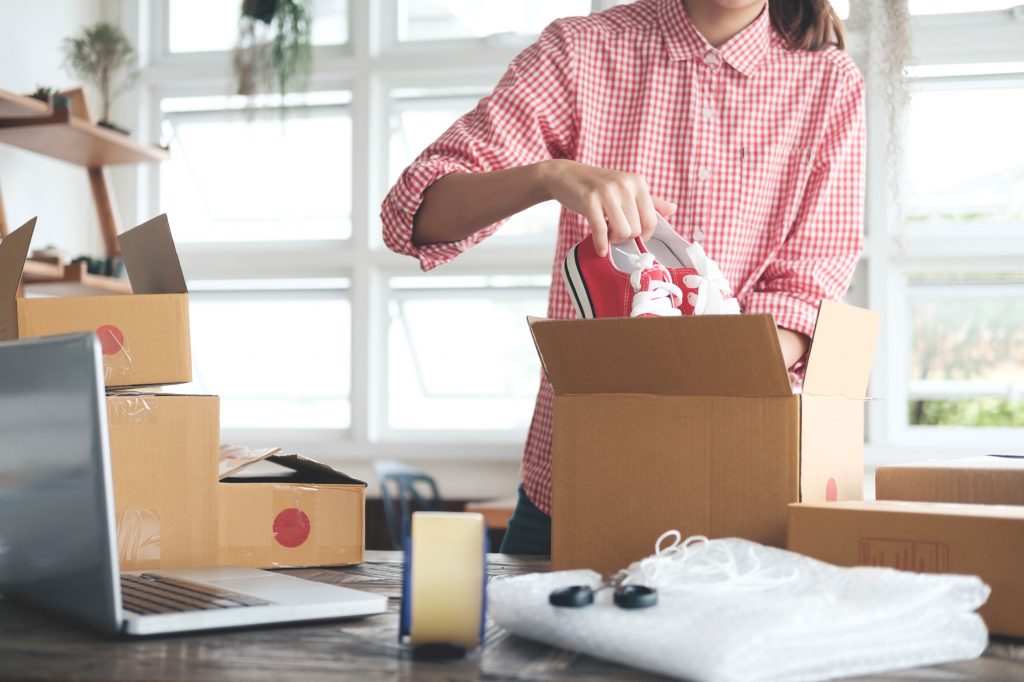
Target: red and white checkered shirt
(759, 144)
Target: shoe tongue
(657, 273)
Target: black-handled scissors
(624, 596)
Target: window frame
(374, 62)
(895, 251)
(396, 295)
(326, 289)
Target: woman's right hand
(617, 205)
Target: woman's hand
(618, 206)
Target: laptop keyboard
(149, 594)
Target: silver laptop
(58, 546)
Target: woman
(741, 121)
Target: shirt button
(708, 113)
(712, 59)
(704, 173)
(698, 234)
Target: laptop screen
(57, 546)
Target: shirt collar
(744, 51)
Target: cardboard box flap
(726, 355)
(311, 471)
(151, 259)
(234, 459)
(842, 350)
(13, 252)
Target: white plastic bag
(736, 610)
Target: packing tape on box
(138, 537)
(444, 583)
(127, 409)
(117, 358)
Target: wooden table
(36, 646)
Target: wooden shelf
(12, 105)
(70, 280)
(37, 271)
(68, 138)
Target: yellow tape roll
(446, 578)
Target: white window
(352, 352)
(958, 6)
(347, 347)
(947, 251)
(421, 20)
(277, 358)
(212, 25)
(460, 356)
(245, 175)
(967, 352)
(961, 208)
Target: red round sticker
(291, 527)
(831, 490)
(111, 339)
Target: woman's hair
(807, 24)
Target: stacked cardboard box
(928, 537)
(171, 508)
(991, 479)
(144, 336)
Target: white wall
(32, 185)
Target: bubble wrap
(736, 610)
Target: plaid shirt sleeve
(529, 117)
(818, 257)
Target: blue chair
(404, 490)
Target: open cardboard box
(927, 537)
(691, 424)
(144, 335)
(990, 479)
(300, 513)
(182, 500)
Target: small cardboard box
(690, 423)
(303, 514)
(163, 451)
(145, 335)
(991, 479)
(927, 537)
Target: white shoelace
(660, 296)
(697, 564)
(715, 299)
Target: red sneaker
(707, 291)
(628, 282)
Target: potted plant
(43, 93)
(274, 45)
(103, 56)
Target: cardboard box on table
(691, 424)
(144, 335)
(991, 479)
(301, 513)
(928, 537)
(163, 450)
(173, 512)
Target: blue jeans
(529, 529)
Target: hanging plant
(274, 47)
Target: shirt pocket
(772, 182)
